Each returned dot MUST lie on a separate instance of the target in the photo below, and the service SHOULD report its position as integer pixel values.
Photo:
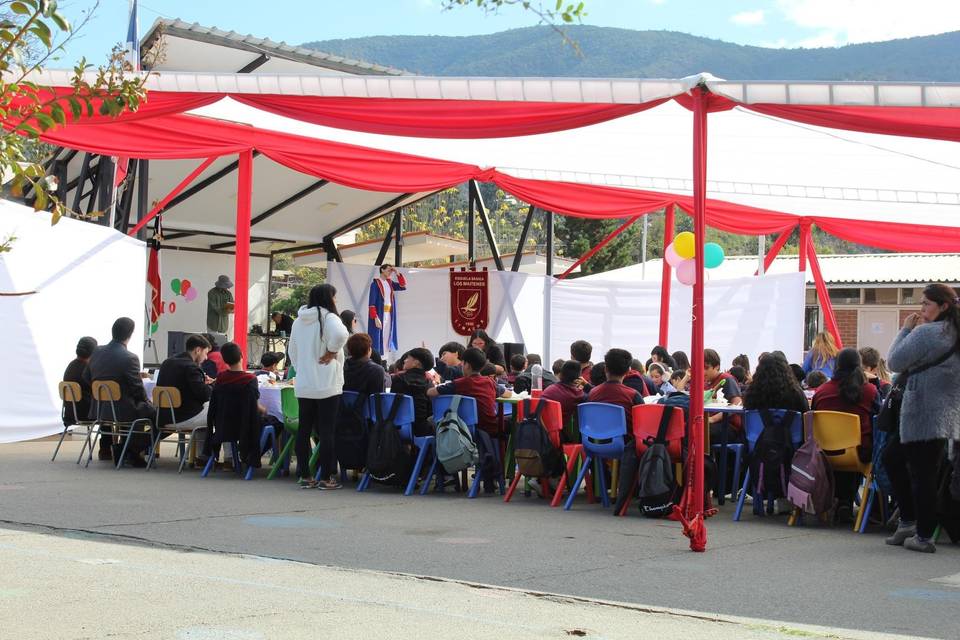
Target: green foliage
(289, 299)
(576, 236)
(558, 14)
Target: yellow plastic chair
(838, 435)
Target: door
(877, 329)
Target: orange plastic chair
(838, 435)
(552, 420)
(646, 423)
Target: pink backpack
(810, 488)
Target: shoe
(137, 461)
(105, 455)
(923, 545)
(902, 533)
(329, 485)
(306, 483)
(535, 485)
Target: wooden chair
(70, 395)
(108, 392)
(166, 399)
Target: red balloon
(173, 307)
(184, 286)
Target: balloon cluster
(680, 255)
(184, 288)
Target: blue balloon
(712, 255)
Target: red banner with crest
(469, 302)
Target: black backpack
(535, 455)
(658, 488)
(771, 457)
(387, 459)
(352, 435)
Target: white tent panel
(77, 278)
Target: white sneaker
(535, 485)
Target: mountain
(616, 53)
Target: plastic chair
(468, 413)
(752, 428)
(873, 489)
(347, 400)
(551, 418)
(70, 395)
(838, 435)
(108, 391)
(291, 424)
(603, 429)
(721, 450)
(403, 421)
(646, 423)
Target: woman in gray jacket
(930, 413)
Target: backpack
(352, 435)
(535, 454)
(948, 498)
(658, 488)
(455, 448)
(810, 487)
(770, 460)
(386, 457)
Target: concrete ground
(778, 578)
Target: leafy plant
(560, 13)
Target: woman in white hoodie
(316, 351)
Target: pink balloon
(191, 294)
(671, 255)
(687, 272)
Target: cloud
(748, 18)
(838, 22)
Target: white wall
(202, 270)
(85, 276)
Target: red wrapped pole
(823, 295)
(665, 281)
(241, 276)
(804, 241)
(774, 251)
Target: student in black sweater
(360, 373)
(412, 381)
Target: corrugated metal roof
(853, 269)
(194, 31)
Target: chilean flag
(153, 279)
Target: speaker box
(511, 349)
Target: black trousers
(317, 417)
(912, 468)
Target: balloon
(671, 256)
(175, 285)
(687, 272)
(685, 245)
(712, 255)
(184, 286)
(154, 327)
(191, 294)
(173, 306)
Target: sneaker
(923, 545)
(306, 483)
(535, 485)
(330, 484)
(903, 532)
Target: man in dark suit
(113, 362)
(183, 372)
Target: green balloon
(175, 285)
(712, 255)
(154, 327)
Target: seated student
(849, 392)
(681, 360)
(876, 370)
(491, 350)
(612, 390)
(490, 371)
(814, 380)
(557, 367)
(798, 373)
(568, 391)
(518, 364)
(639, 383)
(235, 411)
(713, 376)
(660, 355)
(774, 387)
(214, 364)
(743, 360)
(675, 392)
(183, 372)
(270, 366)
(598, 375)
(740, 375)
(638, 367)
(360, 373)
(483, 389)
(581, 350)
(524, 381)
(74, 373)
(659, 374)
(448, 363)
(413, 381)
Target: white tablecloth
(269, 397)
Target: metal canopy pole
(549, 243)
(398, 238)
(471, 235)
(643, 249)
(518, 256)
(485, 222)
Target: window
(811, 326)
(845, 296)
(910, 295)
(811, 296)
(880, 296)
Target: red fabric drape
(441, 118)
(774, 251)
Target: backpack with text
(534, 452)
(387, 459)
(658, 487)
(455, 447)
(771, 457)
(352, 434)
(810, 487)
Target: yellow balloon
(685, 246)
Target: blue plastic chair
(873, 489)
(603, 428)
(237, 466)
(752, 428)
(404, 423)
(468, 413)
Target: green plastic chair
(291, 424)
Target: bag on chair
(810, 488)
(387, 459)
(770, 460)
(658, 487)
(352, 435)
(534, 452)
(456, 450)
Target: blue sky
(774, 23)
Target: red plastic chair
(552, 420)
(646, 423)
